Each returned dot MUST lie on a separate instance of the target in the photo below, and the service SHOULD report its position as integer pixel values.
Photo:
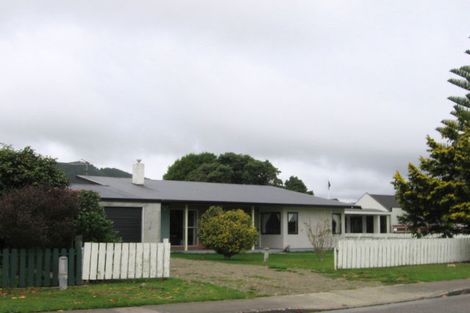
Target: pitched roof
(387, 201)
(113, 188)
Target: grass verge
(113, 294)
(311, 261)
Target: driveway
(260, 280)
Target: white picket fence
(396, 252)
(104, 261)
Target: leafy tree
(38, 216)
(182, 168)
(436, 195)
(228, 233)
(296, 184)
(20, 168)
(247, 170)
(211, 172)
(225, 168)
(91, 221)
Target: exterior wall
(396, 212)
(367, 202)
(151, 218)
(306, 216)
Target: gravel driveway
(261, 280)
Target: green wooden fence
(38, 267)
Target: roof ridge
(182, 181)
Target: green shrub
(228, 233)
(22, 168)
(91, 221)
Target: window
(356, 224)
(336, 224)
(292, 223)
(271, 223)
(383, 224)
(369, 224)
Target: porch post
(253, 221)
(376, 224)
(185, 227)
(348, 229)
(343, 224)
(364, 224)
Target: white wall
(396, 212)
(314, 217)
(151, 217)
(367, 202)
(306, 215)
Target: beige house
(378, 214)
(145, 210)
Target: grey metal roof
(113, 188)
(387, 201)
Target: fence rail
(104, 261)
(38, 267)
(366, 253)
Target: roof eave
(340, 206)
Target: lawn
(311, 261)
(113, 294)
(280, 261)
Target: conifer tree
(436, 195)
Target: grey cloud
(323, 89)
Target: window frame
(263, 228)
(296, 223)
(339, 226)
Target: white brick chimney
(138, 173)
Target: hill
(72, 169)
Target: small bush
(228, 233)
(38, 216)
(91, 222)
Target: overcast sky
(339, 90)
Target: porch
(367, 221)
(180, 223)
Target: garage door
(127, 222)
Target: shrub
(21, 168)
(320, 236)
(38, 216)
(91, 222)
(228, 233)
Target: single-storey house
(146, 210)
(381, 214)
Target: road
(454, 304)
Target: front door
(176, 227)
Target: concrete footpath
(338, 299)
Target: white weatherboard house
(145, 210)
(378, 214)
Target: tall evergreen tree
(436, 195)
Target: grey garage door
(127, 222)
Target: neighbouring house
(146, 210)
(379, 214)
